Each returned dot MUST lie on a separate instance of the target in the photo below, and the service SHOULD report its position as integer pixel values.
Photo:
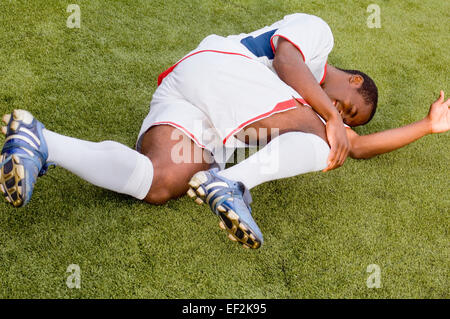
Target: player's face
(352, 108)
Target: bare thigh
(300, 119)
(175, 158)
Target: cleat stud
(2, 189)
(201, 192)
(14, 125)
(191, 193)
(4, 130)
(231, 237)
(8, 199)
(17, 115)
(245, 246)
(222, 226)
(20, 172)
(199, 201)
(221, 209)
(193, 184)
(6, 118)
(200, 177)
(232, 215)
(24, 116)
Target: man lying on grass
(272, 85)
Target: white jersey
(309, 34)
(227, 83)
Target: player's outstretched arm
(290, 67)
(437, 121)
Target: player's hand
(340, 146)
(439, 115)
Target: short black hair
(368, 90)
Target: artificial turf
(321, 230)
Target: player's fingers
(330, 166)
(333, 154)
(440, 99)
(340, 160)
(342, 156)
(447, 103)
(333, 159)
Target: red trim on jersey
(280, 107)
(183, 129)
(166, 72)
(324, 73)
(302, 101)
(281, 36)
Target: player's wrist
(335, 118)
(427, 125)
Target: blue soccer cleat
(23, 157)
(230, 200)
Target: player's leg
(155, 174)
(238, 96)
(300, 148)
(29, 147)
(297, 146)
(175, 159)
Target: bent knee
(158, 197)
(166, 187)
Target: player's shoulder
(305, 18)
(316, 28)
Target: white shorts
(214, 92)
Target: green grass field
(321, 230)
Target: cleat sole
(6, 118)
(237, 230)
(221, 209)
(231, 237)
(201, 192)
(11, 177)
(14, 126)
(229, 220)
(195, 191)
(191, 193)
(22, 115)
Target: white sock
(107, 164)
(287, 155)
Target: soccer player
(270, 85)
